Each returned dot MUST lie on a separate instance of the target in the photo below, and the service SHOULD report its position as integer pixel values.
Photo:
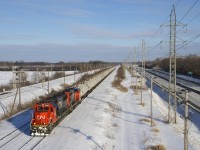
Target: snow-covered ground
(7, 76)
(106, 120)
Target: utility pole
(14, 101)
(63, 74)
(37, 76)
(141, 89)
(48, 81)
(186, 122)
(19, 86)
(52, 70)
(135, 68)
(143, 66)
(75, 74)
(131, 69)
(143, 57)
(151, 101)
(43, 77)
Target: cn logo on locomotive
(40, 117)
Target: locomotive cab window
(42, 109)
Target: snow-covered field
(106, 120)
(7, 76)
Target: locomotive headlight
(34, 123)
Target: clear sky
(83, 30)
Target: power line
(192, 39)
(194, 18)
(189, 41)
(187, 13)
(189, 10)
(158, 43)
(177, 3)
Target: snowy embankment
(160, 101)
(31, 92)
(109, 119)
(106, 120)
(19, 124)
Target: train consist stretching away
(49, 112)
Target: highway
(162, 80)
(182, 82)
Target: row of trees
(189, 64)
(39, 69)
(34, 66)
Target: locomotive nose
(41, 118)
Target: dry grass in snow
(148, 120)
(156, 147)
(142, 104)
(120, 76)
(156, 130)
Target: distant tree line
(187, 65)
(59, 66)
(40, 67)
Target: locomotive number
(40, 117)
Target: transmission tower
(172, 64)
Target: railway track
(37, 141)
(21, 127)
(11, 138)
(30, 142)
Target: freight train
(48, 112)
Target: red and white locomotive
(48, 112)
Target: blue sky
(83, 30)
